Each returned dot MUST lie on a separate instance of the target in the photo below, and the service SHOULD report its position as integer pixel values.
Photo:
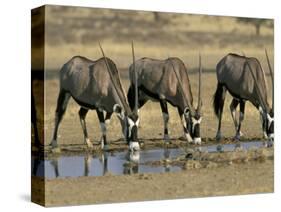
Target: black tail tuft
(218, 100)
(131, 96)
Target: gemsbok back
(95, 85)
(245, 80)
(167, 81)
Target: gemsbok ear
(118, 110)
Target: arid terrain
(77, 31)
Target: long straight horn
(113, 80)
(272, 78)
(181, 88)
(257, 87)
(136, 80)
(199, 102)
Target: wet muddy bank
(155, 160)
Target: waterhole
(120, 163)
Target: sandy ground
(248, 178)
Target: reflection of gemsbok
(245, 80)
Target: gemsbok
(167, 81)
(96, 85)
(244, 78)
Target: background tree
(256, 22)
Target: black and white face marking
(267, 120)
(270, 126)
(132, 123)
(196, 120)
(186, 122)
(119, 111)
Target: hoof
(219, 136)
(268, 144)
(166, 137)
(167, 142)
(56, 150)
(54, 144)
(134, 146)
(89, 143)
(236, 138)
(105, 147)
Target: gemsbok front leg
(82, 115)
(165, 114)
(103, 140)
(232, 107)
(219, 99)
(61, 108)
(241, 118)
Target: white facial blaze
(270, 120)
(130, 125)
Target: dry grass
(76, 31)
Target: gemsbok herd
(96, 85)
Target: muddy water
(120, 163)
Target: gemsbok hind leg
(82, 115)
(241, 118)
(220, 98)
(60, 110)
(103, 141)
(233, 106)
(165, 114)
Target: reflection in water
(119, 163)
(113, 163)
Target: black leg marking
(82, 115)
(223, 94)
(61, 108)
(103, 127)
(241, 115)
(233, 107)
(108, 117)
(165, 113)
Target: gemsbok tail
(218, 100)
